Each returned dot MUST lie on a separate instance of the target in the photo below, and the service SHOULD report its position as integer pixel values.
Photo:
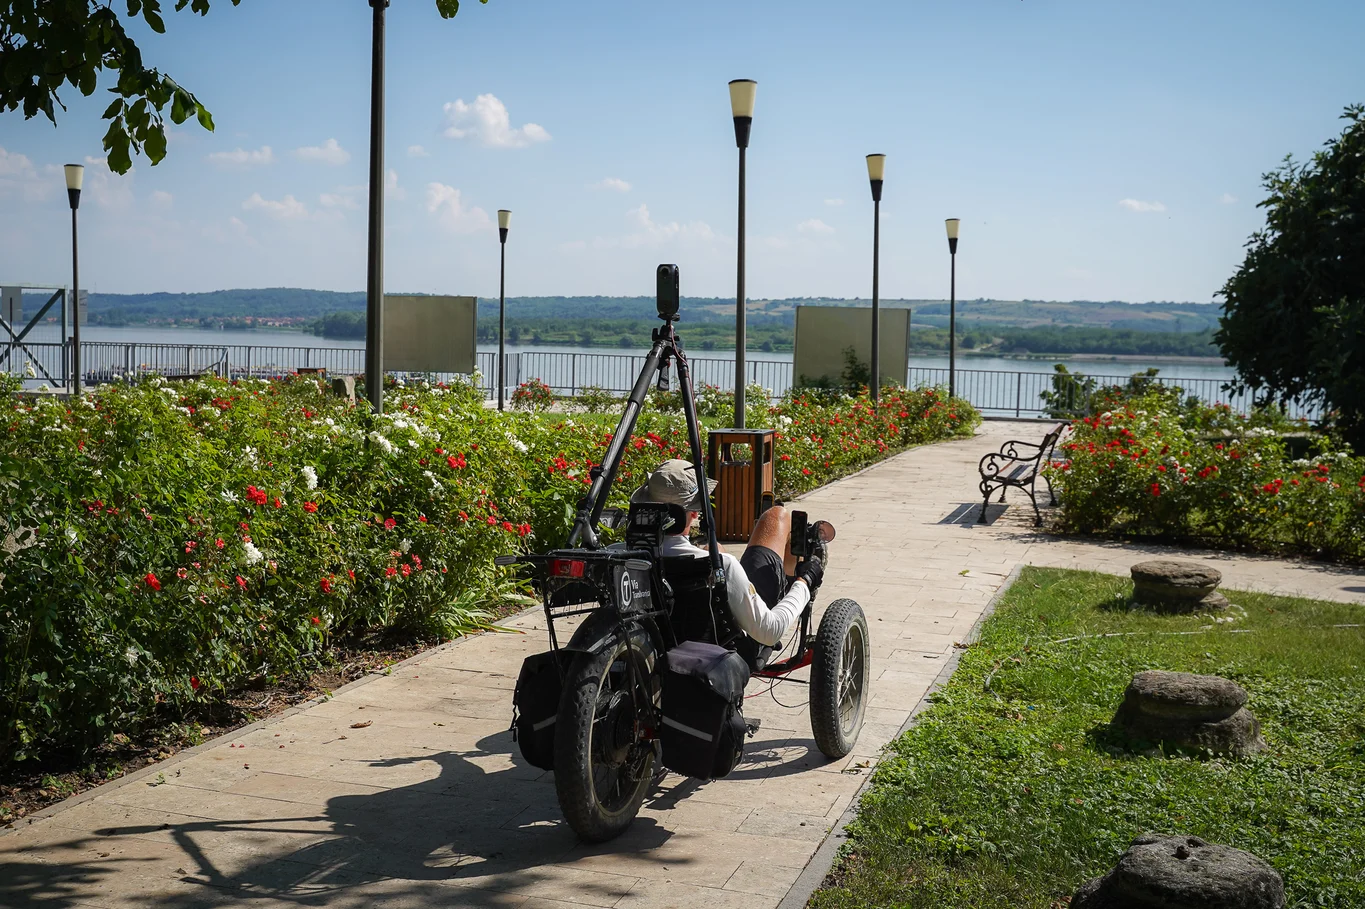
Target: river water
(1194, 369)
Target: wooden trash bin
(741, 460)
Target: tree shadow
(469, 837)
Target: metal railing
(994, 392)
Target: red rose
(492, 520)
(310, 507)
(406, 571)
(152, 582)
(255, 496)
(326, 585)
(422, 518)
(390, 523)
(241, 582)
(350, 573)
(278, 503)
(194, 682)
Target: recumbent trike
(656, 670)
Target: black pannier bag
(703, 721)
(535, 705)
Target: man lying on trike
(671, 632)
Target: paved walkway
(407, 790)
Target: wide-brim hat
(674, 482)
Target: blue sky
(1092, 150)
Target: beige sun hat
(674, 482)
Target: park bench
(1018, 464)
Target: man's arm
(767, 626)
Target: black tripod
(667, 349)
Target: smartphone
(800, 537)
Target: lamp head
(75, 176)
(504, 222)
(876, 170)
(742, 108)
(952, 225)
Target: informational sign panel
(11, 304)
(824, 334)
(429, 333)
(83, 305)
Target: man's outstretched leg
(768, 560)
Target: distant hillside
(277, 303)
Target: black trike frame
(603, 570)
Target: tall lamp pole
(876, 170)
(75, 175)
(952, 224)
(742, 108)
(504, 221)
(374, 284)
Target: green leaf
(116, 144)
(205, 118)
(154, 145)
(448, 8)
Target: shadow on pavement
(468, 838)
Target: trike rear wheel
(840, 672)
(603, 760)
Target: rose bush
(163, 544)
(1150, 464)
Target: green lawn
(1010, 792)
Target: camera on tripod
(666, 279)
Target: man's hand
(812, 571)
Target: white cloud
(345, 197)
(286, 209)
(814, 226)
(329, 152)
(445, 203)
(615, 184)
(20, 177)
(242, 158)
(487, 121)
(391, 188)
(417, 151)
(162, 199)
(649, 232)
(1227, 199)
(1139, 205)
(834, 203)
(13, 164)
(108, 189)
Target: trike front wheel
(840, 672)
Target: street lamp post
(876, 170)
(75, 175)
(374, 284)
(742, 107)
(952, 225)
(504, 221)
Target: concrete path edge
(822, 862)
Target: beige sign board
(823, 333)
(429, 333)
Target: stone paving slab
(431, 804)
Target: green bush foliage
(165, 543)
(1150, 464)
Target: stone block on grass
(1183, 872)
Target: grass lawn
(1010, 791)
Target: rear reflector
(567, 568)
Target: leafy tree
(1293, 321)
(45, 44)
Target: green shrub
(164, 544)
(1153, 465)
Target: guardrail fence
(994, 392)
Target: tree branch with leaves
(47, 45)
